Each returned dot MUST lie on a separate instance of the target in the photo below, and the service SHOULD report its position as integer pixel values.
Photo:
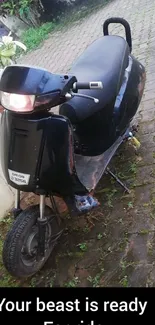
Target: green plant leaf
(6, 61)
(20, 45)
(8, 52)
(21, 12)
(6, 5)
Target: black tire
(21, 230)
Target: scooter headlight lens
(16, 102)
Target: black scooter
(64, 155)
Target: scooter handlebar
(84, 85)
(88, 85)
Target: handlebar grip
(88, 85)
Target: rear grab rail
(122, 21)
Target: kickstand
(117, 180)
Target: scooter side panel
(128, 100)
(57, 171)
(20, 150)
(36, 153)
(91, 169)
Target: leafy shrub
(8, 48)
(32, 37)
(15, 7)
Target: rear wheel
(20, 246)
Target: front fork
(42, 224)
(17, 210)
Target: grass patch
(95, 281)
(83, 247)
(72, 283)
(32, 37)
(124, 281)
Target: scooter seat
(104, 60)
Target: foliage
(25, 10)
(15, 7)
(32, 37)
(8, 48)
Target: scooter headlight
(17, 102)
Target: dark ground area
(114, 245)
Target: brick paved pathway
(126, 249)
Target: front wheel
(21, 243)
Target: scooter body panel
(37, 154)
(130, 95)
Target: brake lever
(71, 95)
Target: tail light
(16, 102)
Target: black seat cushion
(104, 60)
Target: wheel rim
(29, 248)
